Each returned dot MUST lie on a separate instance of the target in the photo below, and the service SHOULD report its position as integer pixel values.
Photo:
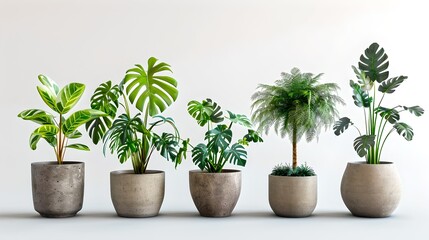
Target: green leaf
(341, 125)
(79, 118)
(404, 130)
(69, 96)
(78, 146)
(363, 143)
(219, 138)
(253, 136)
(217, 114)
(37, 116)
(236, 155)
(166, 145)
(239, 119)
(47, 97)
(50, 84)
(74, 135)
(34, 139)
(182, 152)
(416, 110)
(390, 85)
(149, 91)
(105, 98)
(360, 97)
(374, 63)
(199, 155)
(390, 114)
(200, 111)
(98, 127)
(47, 132)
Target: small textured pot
(137, 195)
(215, 194)
(292, 196)
(371, 190)
(57, 189)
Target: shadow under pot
(371, 190)
(292, 196)
(57, 188)
(215, 194)
(137, 195)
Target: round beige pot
(57, 189)
(215, 194)
(292, 196)
(371, 190)
(137, 195)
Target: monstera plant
(133, 136)
(57, 130)
(58, 186)
(372, 188)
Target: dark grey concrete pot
(137, 195)
(292, 196)
(215, 194)
(371, 190)
(57, 189)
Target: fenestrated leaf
(148, 91)
(105, 98)
(239, 119)
(416, 110)
(200, 111)
(390, 85)
(363, 143)
(48, 97)
(404, 130)
(236, 154)
(253, 136)
(166, 145)
(98, 127)
(390, 114)
(69, 96)
(217, 114)
(37, 116)
(50, 84)
(374, 63)
(360, 97)
(199, 155)
(78, 146)
(79, 118)
(219, 138)
(341, 125)
(182, 152)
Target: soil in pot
(57, 189)
(215, 194)
(137, 195)
(291, 196)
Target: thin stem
(382, 145)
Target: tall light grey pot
(57, 189)
(215, 194)
(137, 195)
(371, 190)
(291, 196)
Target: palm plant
(133, 136)
(58, 130)
(296, 105)
(372, 71)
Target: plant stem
(60, 148)
(294, 150)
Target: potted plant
(296, 105)
(372, 188)
(138, 192)
(58, 186)
(215, 190)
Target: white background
(222, 50)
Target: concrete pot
(137, 195)
(292, 196)
(371, 190)
(215, 194)
(57, 189)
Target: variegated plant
(57, 130)
(132, 136)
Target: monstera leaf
(150, 92)
(199, 155)
(240, 119)
(363, 143)
(37, 116)
(341, 125)
(416, 110)
(404, 130)
(360, 97)
(374, 63)
(205, 111)
(219, 138)
(390, 85)
(390, 114)
(79, 118)
(236, 154)
(166, 145)
(68, 97)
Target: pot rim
(275, 176)
(131, 172)
(365, 163)
(224, 171)
(55, 163)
